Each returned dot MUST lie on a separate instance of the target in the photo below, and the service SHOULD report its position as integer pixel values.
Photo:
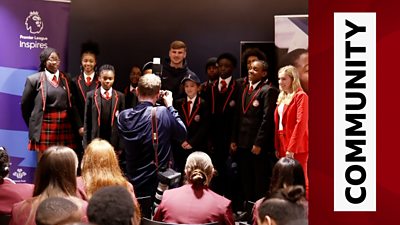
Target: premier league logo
(34, 23)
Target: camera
(169, 177)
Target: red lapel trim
(95, 96)
(189, 118)
(67, 86)
(80, 86)
(251, 100)
(42, 83)
(115, 106)
(226, 100)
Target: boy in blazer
(195, 115)
(222, 98)
(253, 132)
(102, 108)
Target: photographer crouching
(147, 131)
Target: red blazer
(188, 205)
(11, 193)
(295, 124)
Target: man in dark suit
(253, 132)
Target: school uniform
(196, 122)
(23, 213)
(83, 83)
(81, 87)
(131, 99)
(49, 111)
(11, 193)
(188, 205)
(101, 115)
(223, 105)
(254, 125)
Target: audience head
(149, 85)
(57, 211)
(56, 172)
(177, 53)
(286, 172)
(49, 59)
(212, 68)
(252, 54)
(89, 53)
(112, 205)
(4, 164)
(226, 64)
(106, 76)
(199, 169)
(135, 74)
(284, 208)
(148, 68)
(100, 166)
(299, 59)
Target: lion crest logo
(34, 23)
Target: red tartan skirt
(56, 130)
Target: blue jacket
(135, 128)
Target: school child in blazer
(48, 106)
(102, 108)
(195, 114)
(253, 132)
(223, 100)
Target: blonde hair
(149, 85)
(292, 72)
(199, 169)
(100, 167)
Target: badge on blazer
(232, 103)
(256, 103)
(197, 118)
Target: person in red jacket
(291, 118)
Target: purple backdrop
(27, 28)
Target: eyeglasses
(53, 60)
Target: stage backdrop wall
(28, 26)
(135, 31)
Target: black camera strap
(154, 132)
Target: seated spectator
(57, 211)
(10, 192)
(100, 168)
(284, 208)
(194, 202)
(286, 172)
(112, 206)
(55, 176)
